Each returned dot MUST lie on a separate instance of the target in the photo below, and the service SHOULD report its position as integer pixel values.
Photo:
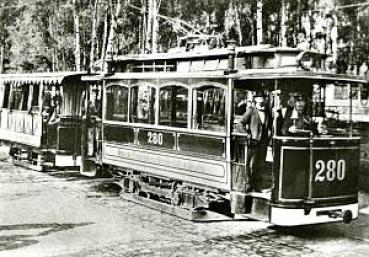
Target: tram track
(182, 237)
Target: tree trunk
(259, 22)
(1, 58)
(283, 37)
(155, 28)
(51, 32)
(143, 35)
(105, 37)
(77, 50)
(113, 28)
(93, 34)
(149, 32)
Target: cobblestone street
(63, 214)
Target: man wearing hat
(298, 121)
(256, 124)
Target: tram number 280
(330, 170)
(154, 138)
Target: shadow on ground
(19, 235)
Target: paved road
(62, 214)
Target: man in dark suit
(256, 124)
(283, 112)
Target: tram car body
(169, 137)
(40, 118)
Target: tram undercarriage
(185, 200)
(43, 159)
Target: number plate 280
(330, 170)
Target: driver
(298, 121)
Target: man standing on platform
(256, 124)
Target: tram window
(35, 96)
(210, 106)
(117, 100)
(242, 99)
(173, 106)
(364, 92)
(16, 97)
(6, 96)
(341, 92)
(24, 98)
(355, 92)
(143, 104)
(318, 100)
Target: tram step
(261, 195)
(27, 165)
(260, 208)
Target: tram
(40, 118)
(337, 104)
(168, 135)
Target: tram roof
(216, 52)
(286, 73)
(279, 73)
(44, 77)
(221, 59)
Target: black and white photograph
(184, 128)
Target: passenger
(298, 121)
(283, 111)
(256, 124)
(93, 126)
(56, 110)
(244, 101)
(47, 108)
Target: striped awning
(38, 78)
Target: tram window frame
(111, 113)
(218, 124)
(175, 120)
(134, 113)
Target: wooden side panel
(211, 173)
(21, 127)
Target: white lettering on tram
(330, 170)
(154, 138)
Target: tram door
(91, 130)
(250, 193)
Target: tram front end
(316, 180)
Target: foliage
(41, 35)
